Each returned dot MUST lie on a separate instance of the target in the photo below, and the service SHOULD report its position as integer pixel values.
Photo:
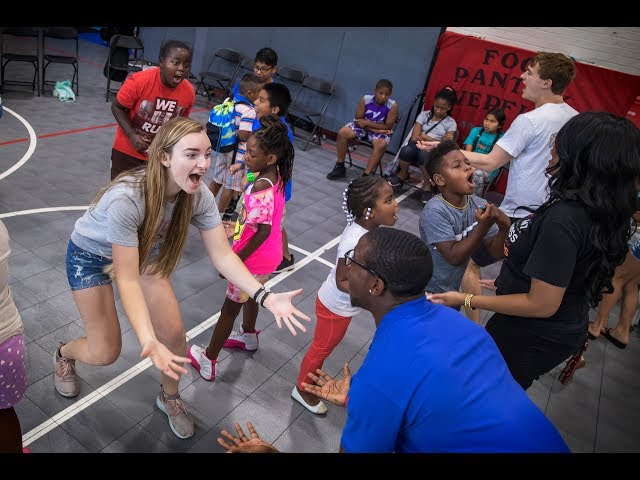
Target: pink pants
(330, 330)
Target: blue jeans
(85, 269)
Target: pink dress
(265, 206)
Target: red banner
(486, 75)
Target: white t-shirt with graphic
(529, 140)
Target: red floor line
(79, 130)
(18, 140)
(353, 155)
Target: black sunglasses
(348, 259)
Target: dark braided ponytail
(360, 196)
(273, 137)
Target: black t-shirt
(553, 247)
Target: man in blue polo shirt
(432, 381)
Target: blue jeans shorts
(85, 269)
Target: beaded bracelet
(467, 301)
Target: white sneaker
(242, 340)
(203, 364)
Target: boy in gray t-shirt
(455, 222)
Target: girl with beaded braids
(257, 241)
(368, 202)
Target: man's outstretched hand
(334, 391)
(240, 443)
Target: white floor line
(33, 141)
(138, 368)
(42, 210)
(305, 252)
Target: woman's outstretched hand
(427, 145)
(240, 443)
(488, 283)
(450, 299)
(163, 359)
(280, 305)
(334, 391)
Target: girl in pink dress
(257, 241)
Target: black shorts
(121, 162)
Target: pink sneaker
(203, 364)
(242, 340)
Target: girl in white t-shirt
(368, 203)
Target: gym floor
(53, 158)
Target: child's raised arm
(230, 265)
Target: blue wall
(354, 58)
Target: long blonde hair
(151, 181)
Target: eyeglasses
(265, 69)
(348, 259)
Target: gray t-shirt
(119, 213)
(441, 222)
(447, 124)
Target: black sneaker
(426, 195)
(285, 265)
(394, 181)
(339, 171)
(229, 217)
(233, 203)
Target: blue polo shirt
(434, 381)
(289, 185)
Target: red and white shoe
(203, 364)
(242, 340)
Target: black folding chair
(125, 56)
(246, 66)
(26, 38)
(291, 77)
(310, 104)
(357, 141)
(61, 33)
(220, 73)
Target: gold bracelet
(467, 301)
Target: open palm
(240, 443)
(334, 391)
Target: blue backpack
(221, 127)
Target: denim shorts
(85, 269)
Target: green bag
(64, 91)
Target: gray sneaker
(65, 379)
(180, 421)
